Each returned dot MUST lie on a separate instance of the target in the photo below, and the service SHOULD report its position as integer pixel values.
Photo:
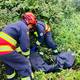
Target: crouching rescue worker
(42, 31)
(43, 34)
(10, 36)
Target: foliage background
(64, 18)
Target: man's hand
(55, 51)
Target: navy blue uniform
(45, 36)
(62, 60)
(20, 32)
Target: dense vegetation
(64, 18)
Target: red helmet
(29, 18)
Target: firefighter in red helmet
(42, 31)
(29, 18)
(12, 35)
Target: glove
(55, 51)
(34, 49)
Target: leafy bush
(77, 4)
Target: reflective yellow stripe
(26, 53)
(8, 38)
(18, 49)
(5, 48)
(11, 76)
(23, 53)
(26, 78)
(36, 34)
(38, 43)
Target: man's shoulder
(40, 23)
(21, 22)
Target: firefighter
(42, 32)
(11, 36)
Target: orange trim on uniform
(47, 28)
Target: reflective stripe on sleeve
(11, 75)
(38, 43)
(26, 53)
